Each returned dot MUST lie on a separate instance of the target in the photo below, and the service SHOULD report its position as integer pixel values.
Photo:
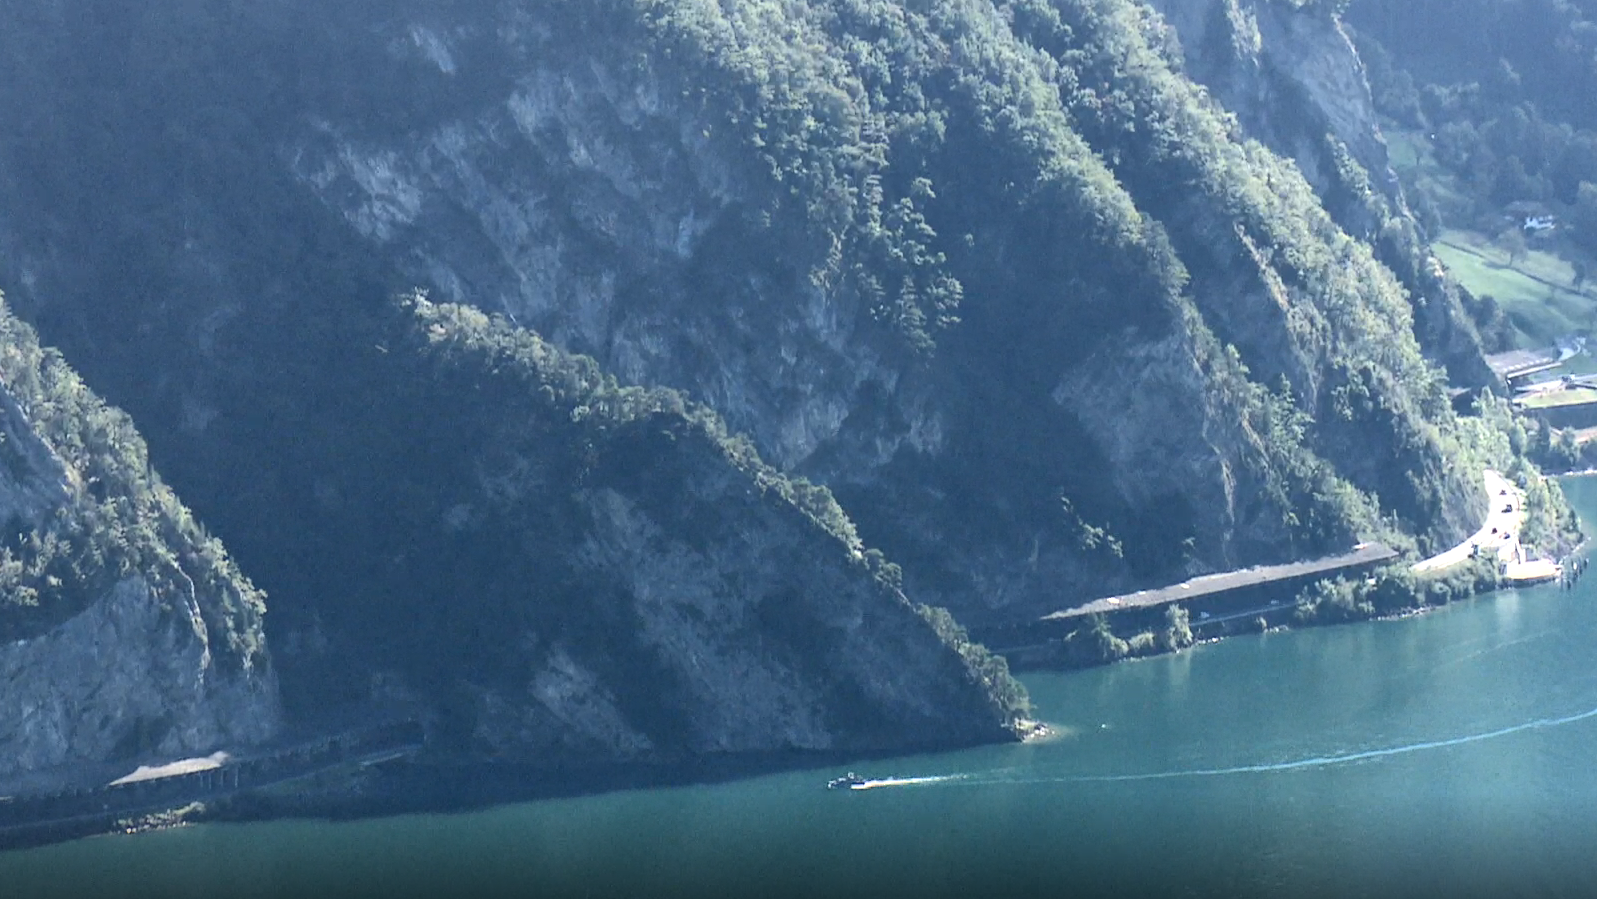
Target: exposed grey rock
(132, 676)
(128, 632)
(538, 159)
(659, 591)
(1296, 83)
(1289, 74)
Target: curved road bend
(1504, 517)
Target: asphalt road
(1500, 533)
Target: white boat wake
(1323, 761)
(906, 781)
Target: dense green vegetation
(1504, 87)
(1516, 447)
(1096, 643)
(1139, 344)
(1334, 338)
(479, 514)
(1493, 125)
(106, 515)
(526, 387)
(1392, 591)
(1495, 98)
(1108, 182)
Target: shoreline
(372, 779)
(1572, 473)
(384, 783)
(1416, 612)
(1245, 625)
(400, 785)
(1399, 591)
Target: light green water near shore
(1453, 753)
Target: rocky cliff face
(1017, 290)
(590, 199)
(129, 679)
(567, 571)
(124, 632)
(602, 572)
(1291, 75)
(604, 201)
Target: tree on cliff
(1511, 241)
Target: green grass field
(1537, 293)
(1536, 264)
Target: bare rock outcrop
(125, 632)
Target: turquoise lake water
(1452, 754)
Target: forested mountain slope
(548, 566)
(1040, 311)
(1291, 74)
(125, 629)
(1502, 91)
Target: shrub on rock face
(1178, 629)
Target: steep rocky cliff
(1022, 294)
(1292, 76)
(549, 565)
(125, 631)
(622, 204)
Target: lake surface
(1450, 754)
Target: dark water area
(1452, 754)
